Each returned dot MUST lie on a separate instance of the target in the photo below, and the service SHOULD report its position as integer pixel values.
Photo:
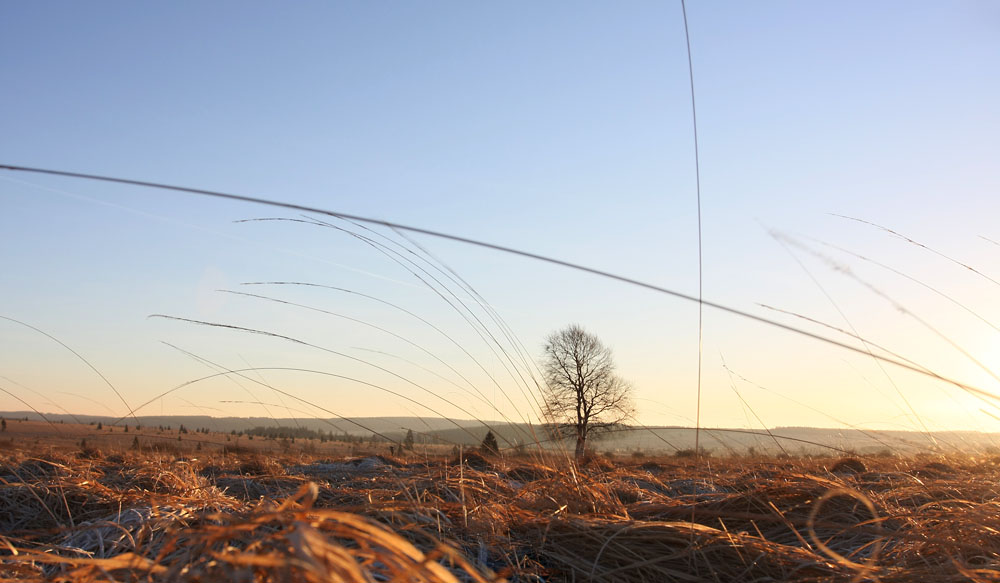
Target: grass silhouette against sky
(563, 129)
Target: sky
(829, 134)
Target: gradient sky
(560, 128)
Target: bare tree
(582, 391)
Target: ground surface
(109, 512)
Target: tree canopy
(583, 392)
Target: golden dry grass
(148, 516)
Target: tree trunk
(581, 444)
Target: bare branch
(582, 390)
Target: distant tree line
(303, 433)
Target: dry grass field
(108, 512)
(287, 219)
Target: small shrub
(690, 453)
(489, 445)
(849, 465)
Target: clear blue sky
(560, 128)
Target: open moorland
(483, 292)
(202, 510)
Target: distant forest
(281, 432)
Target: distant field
(442, 434)
(107, 511)
(76, 437)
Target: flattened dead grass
(152, 517)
